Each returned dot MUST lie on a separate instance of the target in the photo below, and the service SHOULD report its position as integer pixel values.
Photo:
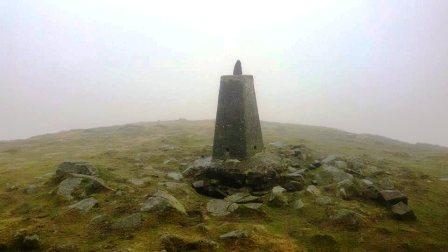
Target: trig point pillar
(237, 129)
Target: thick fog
(378, 67)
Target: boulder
(293, 185)
(24, 242)
(139, 182)
(219, 207)
(392, 197)
(128, 223)
(64, 169)
(402, 211)
(340, 164)
(84, 205)
(162, 201)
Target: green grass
(123, 152)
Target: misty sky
(377, 67)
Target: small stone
(277, 197)
(402, 211)
(84, 205)
(162, 201)
(313, 190)
(298, 204)
(221, 207)
(236, 234)
(367, 182)
(175, 175)
(323, 200)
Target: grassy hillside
(122, 153)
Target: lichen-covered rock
(277, 197)
(84, 205)
(219, 207)
(68, 186)
(161, 201)
(64, 169)
(402, 211)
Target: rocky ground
(154, 187)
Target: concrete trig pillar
(237, 129)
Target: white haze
(377, 67)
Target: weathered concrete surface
(237, 129)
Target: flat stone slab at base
(402, 211)
(392, 197)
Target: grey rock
(128, 223)
(313, 190)
(68, 186)
(175, 175)
(236, 234)
(402, 211)
(334, 174)
(392, 197)
(323, 200)
(64, 169)
(84, 205)
(277, 197)
(367, 182)
(298, 204)
(161, 201)
(198, 165)
(220, 207)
